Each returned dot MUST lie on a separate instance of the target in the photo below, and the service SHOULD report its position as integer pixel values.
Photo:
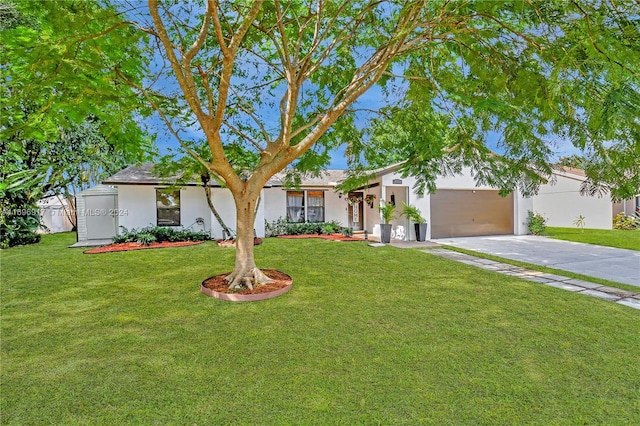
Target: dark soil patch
(218, 283)
(136, 246)
(332, 237)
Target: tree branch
(244, 136)
(283, 34)
(199, 41)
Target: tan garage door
(466, 213)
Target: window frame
(175, 195)
(292, 210)
(306, 207)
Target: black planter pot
(421, 231)
(385, 233)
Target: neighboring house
(458, 207)
(627, 207)
(560, 202)
(54, 215)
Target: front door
(356, 211)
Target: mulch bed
(333, 237)
(232, 243)
(218, 283)
(136, 246)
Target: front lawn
(366, 336)
(629, 239)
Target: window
(168, 206)
(295, 206)
(315, 209)
(305, 206)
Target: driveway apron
(609, 263)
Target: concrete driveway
(609, 263)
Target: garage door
(466, 213)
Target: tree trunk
(226, 232)
(69, 210)
(245, 272)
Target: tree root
(248, 278)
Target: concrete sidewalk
(609, 263)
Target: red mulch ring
(217, 283)
(332, 237)
(136, 246)
(232, 243)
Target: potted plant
(387, 211)
(370, 198)
(420, 223)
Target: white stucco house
(560, 202)
(135, 198)
(458, 208)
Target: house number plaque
(397, 181)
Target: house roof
(325, 178)
(570, 173)
(334, 177)
(142, 174)
(574, 171)
(387, 169)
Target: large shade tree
(285, 79)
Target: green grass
(602, 237)
(366, 336)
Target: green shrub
(626, 222)
(126, 236)
(145, 239)
(188, 235)
(302, 228)
(280, 226)
(336, 226)
(163, 234)
(536, 223)
(19, 219)
(330, 228)
(160, 234)
(275, 228)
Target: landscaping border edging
(231, 297)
